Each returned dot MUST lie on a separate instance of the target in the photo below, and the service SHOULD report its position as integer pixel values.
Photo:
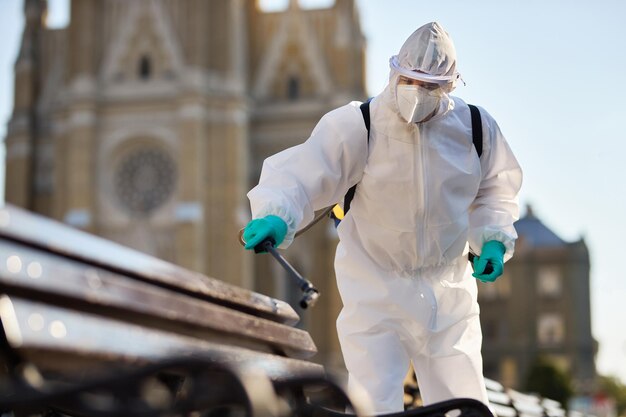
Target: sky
(550, 73)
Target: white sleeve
(496, 206)
(298, 181)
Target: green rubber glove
(260, 229)
(492, 252)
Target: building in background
(540, 307)
(146, 122)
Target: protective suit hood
(427, 55)
(429, 50)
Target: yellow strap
(338, 212)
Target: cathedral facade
(146, 122)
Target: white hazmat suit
(424, 197)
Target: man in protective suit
(424, 200)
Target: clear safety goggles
(446, 82)
(430, 89)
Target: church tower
(146, 122)
(141, 127)
(22, 133)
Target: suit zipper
(424, 191)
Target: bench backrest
(512, 403)
(68, 297)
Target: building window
(495, 329)
(500, 289)
(503, 284)
(550, 329)
(270, 6)
(145, 68)
(490, 369)
(293, 88)
(549, 282)
(490, 330)
(487, 291)
(508, 372)
(144, 180)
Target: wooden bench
(71, 302)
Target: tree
(613, 388)
(547, 380)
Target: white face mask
(416, 103)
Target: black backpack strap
(477, 138)
(365, 111)
(477, 129)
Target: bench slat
(59, 281)
(57, 339)
(19, 225)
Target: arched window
(145, 67)
(293, 88)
